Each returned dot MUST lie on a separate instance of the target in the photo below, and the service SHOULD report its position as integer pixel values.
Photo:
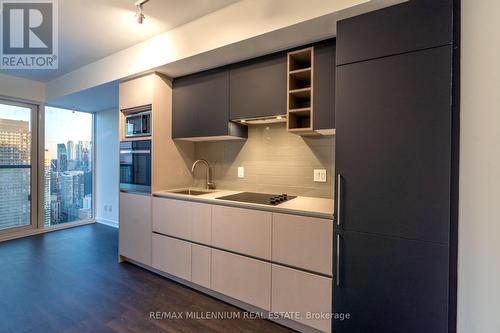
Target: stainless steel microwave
(137, 122)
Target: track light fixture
(139, 14)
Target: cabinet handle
(339, 197)
(337, 262)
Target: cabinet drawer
(201, 258)
(303, 242)
(245, 279)
(297, 291)
(183, 219)
(172, 256)
(242, 230)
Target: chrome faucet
(210, 182)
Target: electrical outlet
(320, 175)
(241, 172)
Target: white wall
(235, 23)
(107, 166)
(479, 219)
(28, 90)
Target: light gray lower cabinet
(183, 219)
(201, 268)
(172, 256)
(242, 278)
(303, 242)
(135, 227)
(243, 231)
(305, 293)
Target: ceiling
(99, 98)
(90, 30)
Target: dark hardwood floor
(71, 281)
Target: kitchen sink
(191, 192)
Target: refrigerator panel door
(390, 285)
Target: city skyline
(67, 173)
(60, 125)
(69, 176)
(64, 126)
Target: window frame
(37, 225)
(41, 184)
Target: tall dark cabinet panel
(394, 144)
(324, 85)
(258, 87)
(201, 106)
(392, 285)
(394, 151)
(413, 25)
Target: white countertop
(305, 206)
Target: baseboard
(38, 231)
(107, 222)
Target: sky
(61, 125)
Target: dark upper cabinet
(391, 285)
(201, 107)
(413, 25)
(393, 145)
(324, 86)
(204, 103)
(258, 87)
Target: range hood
(261, 120)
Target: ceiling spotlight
(139, 13)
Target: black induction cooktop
(258, 198)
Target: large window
(68, 174)
(16, 175)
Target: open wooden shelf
(299, 121)
(300, 91)
(300, 79)
(300, 59)
(301, 130)
(300, 111)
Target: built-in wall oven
(135, 166)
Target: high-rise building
(55, 210)
(85, 212)
(87, 182)
(47, 187)
(15, 174)
(71, 151)
(78, 151)
(72, 193)
(62, 158)
(86, 156)
(55, 183)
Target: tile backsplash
(275, 161)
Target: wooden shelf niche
(300, 91)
